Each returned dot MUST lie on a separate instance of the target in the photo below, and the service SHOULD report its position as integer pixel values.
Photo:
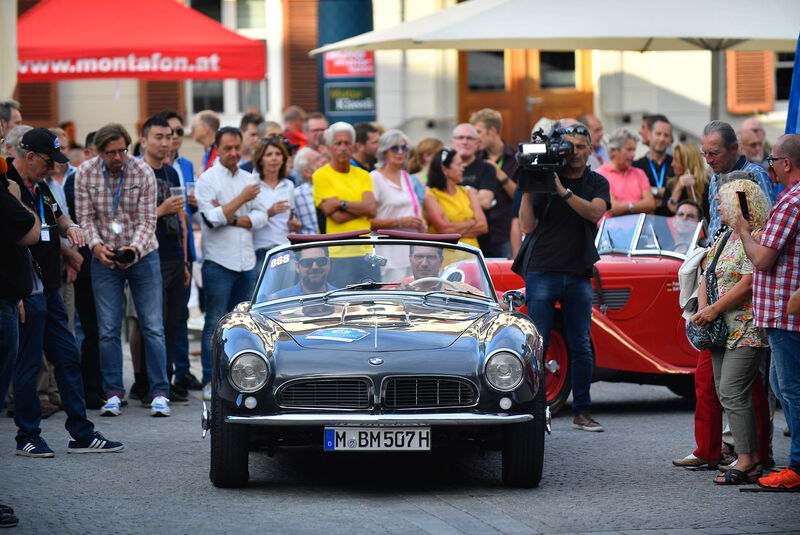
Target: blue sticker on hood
(338, 334)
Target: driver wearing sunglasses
(312, 266)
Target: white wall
(417, 89)
(93, 103)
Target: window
(486, 71)
(210, 8)
(784, 63)
(207, 95)
(557, 69)
(251, 14)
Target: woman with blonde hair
(736, 363)
(419, 161)
(690, 180)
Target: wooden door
(524, 86)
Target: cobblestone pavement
(619, 481)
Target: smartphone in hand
(742, 196)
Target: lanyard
(115, 203)
(37, 197)
(659, 179)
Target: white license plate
(377, 439)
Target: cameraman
(557, 258)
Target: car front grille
(422, 392)
(344, 393)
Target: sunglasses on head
(308, 262)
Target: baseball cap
(43, 141)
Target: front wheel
(229, 453)
(557, 382)
(523, 448)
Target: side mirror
(514, 299)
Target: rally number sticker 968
(279, 260)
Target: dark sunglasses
(308, 262)
(577, 130)
(177, 132)
(398, 148)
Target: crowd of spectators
(121, 224)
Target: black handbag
(713, 334)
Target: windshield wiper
(453, 290)
(357, 286)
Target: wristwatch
(343, 206)
(505, 180)
(567, 195)
(672, 201)
(234, 219)
(630, 207)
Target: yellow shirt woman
(456, 207)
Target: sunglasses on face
(308, 262)
(177, 132)
(396, 149)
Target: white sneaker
(207, 392)
(159, 406)
(111, 408)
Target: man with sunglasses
(313, 266)
(43, 316)
(557, 258)
(721, 152)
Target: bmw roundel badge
(376, 361)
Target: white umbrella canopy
(642, 25)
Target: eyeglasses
(772, 159)
(50, 163)
(177, 131)
(112, 153)
(712, 153)
(687, 215)
(465, 138)
(425, 257)
(308, 262)
(396, 149)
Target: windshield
(648, 234)
(329, 271)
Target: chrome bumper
(381, 419)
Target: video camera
(541, 158)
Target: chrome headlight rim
(521, 369)
(232, 361)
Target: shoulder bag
(713, 334)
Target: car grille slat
(614, 298)
(427, 392)
(326, 393)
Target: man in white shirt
(230, 207)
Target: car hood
(375, 325)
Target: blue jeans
(9, 343)
(144, 279)
(180, 356)
(224, 289)
(46, 329)
(785, 346)
(542, 290)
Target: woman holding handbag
(726, 290)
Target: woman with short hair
(629, 187)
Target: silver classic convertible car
(386, 343)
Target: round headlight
(504, 371)
(249, 372)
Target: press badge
(45, 233)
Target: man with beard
(313, 266)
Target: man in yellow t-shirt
(344, 194)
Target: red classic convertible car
(637, 329)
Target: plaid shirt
(136, 210)
(304, 209)
(772, 288)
